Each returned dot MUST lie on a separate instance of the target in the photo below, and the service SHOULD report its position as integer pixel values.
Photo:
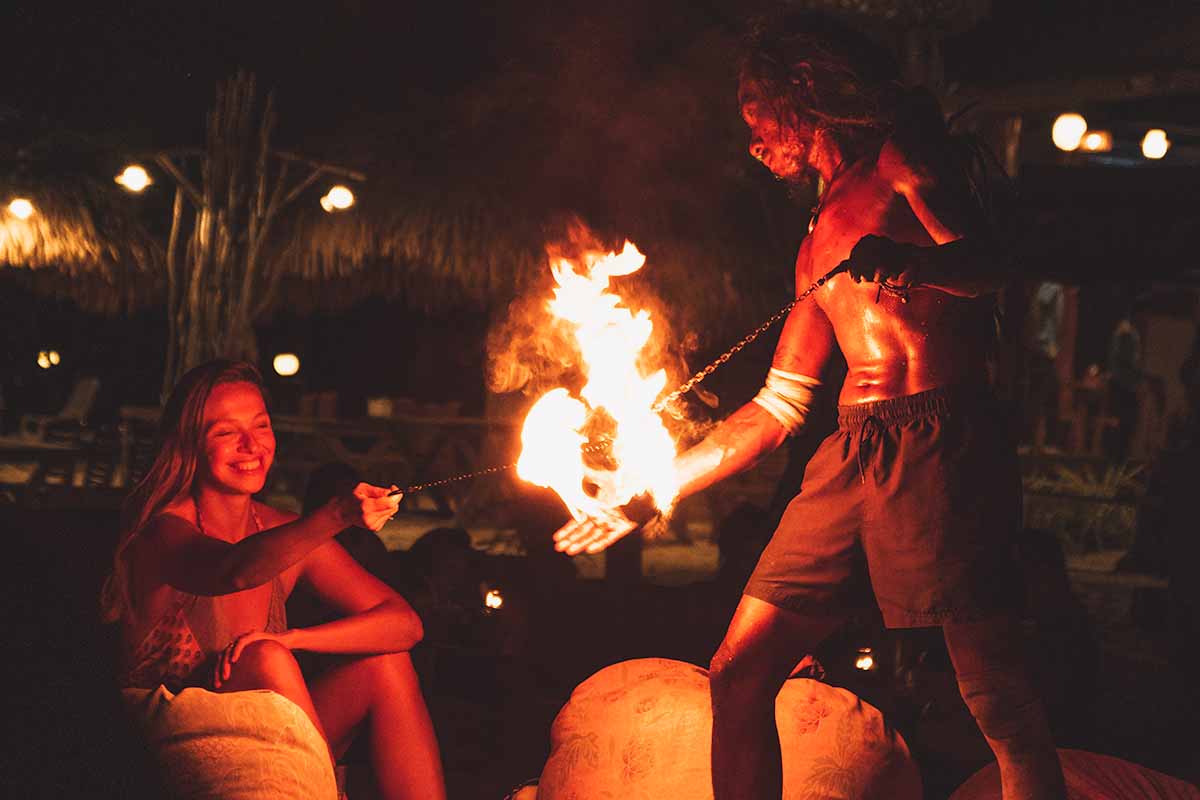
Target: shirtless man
(917, 494)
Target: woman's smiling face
(239, 444)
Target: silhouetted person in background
(1124, 377)
(1041, 402)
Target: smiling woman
(202, 572)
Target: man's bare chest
(866, 207)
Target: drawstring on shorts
(869, 423)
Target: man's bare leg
(994, 682)
(760, 649)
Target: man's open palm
(593, 534)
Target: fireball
(615, 405)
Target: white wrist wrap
(787, 396)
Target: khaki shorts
(917, 498)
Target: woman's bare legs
(266, 664)
(383, 691)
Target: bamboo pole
(228, 276)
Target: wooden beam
(1067, 93)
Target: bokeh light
(1068, 131)
(286, 364)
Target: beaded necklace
(253, 515)
(823, 188)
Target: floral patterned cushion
(255, 745)
(640, 730)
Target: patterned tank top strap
(277, 609)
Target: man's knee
(734, 675)
(1003, 703)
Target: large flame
(616, 395)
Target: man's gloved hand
(887, 262)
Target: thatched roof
(462, 213)
(82, 241)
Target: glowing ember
(616, 401)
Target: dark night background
(621, 110)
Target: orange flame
(610, 339)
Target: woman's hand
(233, 652)
(367, 506)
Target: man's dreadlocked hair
(816, 68)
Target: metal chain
(673, 396)
(417, 487)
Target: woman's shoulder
(180, 513)
(271, 516)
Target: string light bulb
(21, 208)
(286, 364)
(1068, 131)
(493, 599)
(1155, 143)
(338, 198)
(1096, 142)
(134, 178)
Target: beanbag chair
(1090, 776)
(255, 745)
(640, 730)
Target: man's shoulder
(905, 165)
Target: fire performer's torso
(892, 347)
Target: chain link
(670, 398)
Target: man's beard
(801, 186)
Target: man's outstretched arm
(743, 438)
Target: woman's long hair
(173, 473)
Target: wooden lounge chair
(72, 417)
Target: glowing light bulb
(1155, 143)
(54, 357)
(339, 198)
(1068, 131)
(43, 359)
(1097, 141)
(21, 208)
(134, 178)
(286, 364)
(865, 660)
(493, 599)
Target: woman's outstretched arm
(195, 563)
(378, 619)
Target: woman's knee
(387, 672)
(267, 658)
